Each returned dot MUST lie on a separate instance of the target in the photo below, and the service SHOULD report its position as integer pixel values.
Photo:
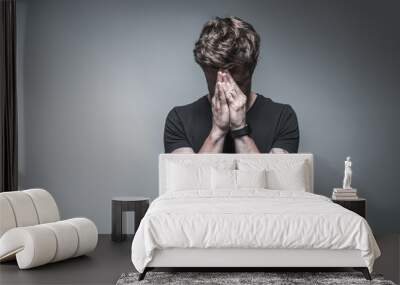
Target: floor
(110, 260)
(102, 266)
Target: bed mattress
(250, 219)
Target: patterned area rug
(270, 278)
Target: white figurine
(347, 174)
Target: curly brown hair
(227, 42)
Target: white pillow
(251, 178)
(281, 174)
(289, 179)
(223, 179)
(187, 174)
(187, 177)
(237, 179)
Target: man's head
(228, 44)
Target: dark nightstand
(138, 205)
(358, 206)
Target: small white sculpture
(347, 173)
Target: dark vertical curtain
(8, 116)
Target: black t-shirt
(273, 125)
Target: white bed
(215, 225)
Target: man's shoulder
(273, 105)
(188, 109)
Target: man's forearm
(245, 144)
(214, 143)
(277, 150)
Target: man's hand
(220, 110)
(214, 142)
(236, 101)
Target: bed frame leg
(143, 274)
(364, 271)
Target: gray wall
(98, 77)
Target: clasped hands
(228, 105)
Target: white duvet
(250, 218)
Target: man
(231, 118)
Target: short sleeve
(287, 132)
(174, 133)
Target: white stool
(31, 231)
